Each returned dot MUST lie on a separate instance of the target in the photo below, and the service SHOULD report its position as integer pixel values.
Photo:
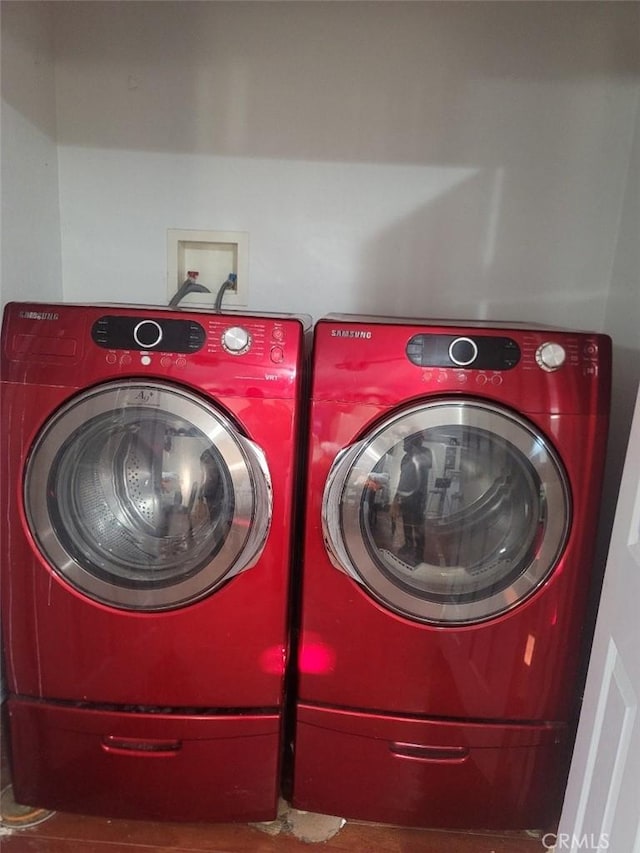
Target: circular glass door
(448, 512)
(146, 497)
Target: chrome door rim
(341, 523)
(248, 472)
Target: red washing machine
(454, 480)
(149, 463)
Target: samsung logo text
(38, 315)
(351, 333)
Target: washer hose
(188, 286)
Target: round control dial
(236, 340)
(551, 356)
(463, 351)
(147, 334)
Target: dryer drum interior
(146, 505)
(448, 512)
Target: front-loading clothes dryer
(149, 464)
(454, 475)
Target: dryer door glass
(145, 496)
(448, 512)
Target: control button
(236, 340)
(165, 361)
(112, 358)
(463, 351)
(415, 349)
(181, 361)
(277, 355)
(147, 333)
(145, 359)
(551, 356)
(278, 334)
(125, 360)
(510, 354)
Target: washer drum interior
(151, 497)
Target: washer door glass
(448, 512)
(146, 497)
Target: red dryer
(149, 464)
(454, 480)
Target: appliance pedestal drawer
(428, 773)
(153, 766)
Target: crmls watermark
(564, 841)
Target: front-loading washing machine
(454, 481)
(149, 465)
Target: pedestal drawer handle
(147, 747)
(419, 752)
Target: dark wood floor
(68, 833)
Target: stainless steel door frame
(523, 514)
(116, 525)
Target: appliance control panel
(183, 337)
(140, 333)
(228, 354)
(473, 351)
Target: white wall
(456, 159)
(622, 322)
(31, 251)
(622, 319)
